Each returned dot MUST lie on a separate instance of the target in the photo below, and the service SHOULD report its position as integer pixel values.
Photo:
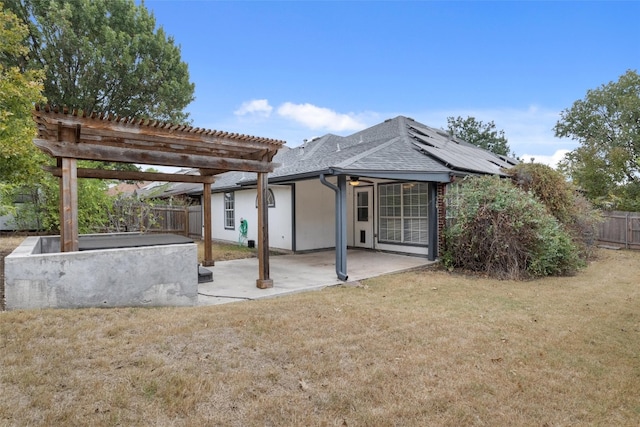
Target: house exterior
(381, 188)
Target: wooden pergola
(70, 136)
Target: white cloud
(551, 160)
(257, 107)
(315, 117)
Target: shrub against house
(533, 225)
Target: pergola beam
(135, 175)
(85, 151)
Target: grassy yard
(414, 349)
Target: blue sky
(295, 70)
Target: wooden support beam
(208, 240)
(68, 206)
(264, 281)
(87, 151)
(134, 175)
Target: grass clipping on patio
(419, 348)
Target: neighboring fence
(195, 221)
(185, 220)
(620, 228)
(167, 219)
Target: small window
(229, 211)
(271, 199)
(362, 205)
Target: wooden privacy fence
(185, 220)
(621, 228)
(195, 221)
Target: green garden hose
(244, 227)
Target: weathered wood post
(208, 239)
(264, 281)
(68, 191)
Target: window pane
(362, 205)
(390, 213)
(403, 211)
(229, 210)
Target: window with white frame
(403, 212)
(271, 199)
(229, 211)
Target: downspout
(341, 224)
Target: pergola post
(264, 281)
(208, 240)
(69, 205)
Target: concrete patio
(236, 280)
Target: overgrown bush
(562, 200)
(507, 233)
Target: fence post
(626, 231)
(186, 221)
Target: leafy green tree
(95, 55)
(484, 135)
(20, 160)
(19, 89)
(93, 205)
(606, 123)
(105, 56)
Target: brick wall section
(442, 218)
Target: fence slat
(621, 228)
(155, 219)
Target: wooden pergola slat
(136, 176)
(73, 135)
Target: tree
(97, 55)
(606, 123)
(20, 160)
(476, 132)
(105, 56)
(19, 89)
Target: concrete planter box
(37, 275)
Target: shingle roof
(396, 145)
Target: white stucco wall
(315, 215)
(280, 229)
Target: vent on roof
(388, 120)
(410, 118)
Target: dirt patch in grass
(226, 251)
(419, 348)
